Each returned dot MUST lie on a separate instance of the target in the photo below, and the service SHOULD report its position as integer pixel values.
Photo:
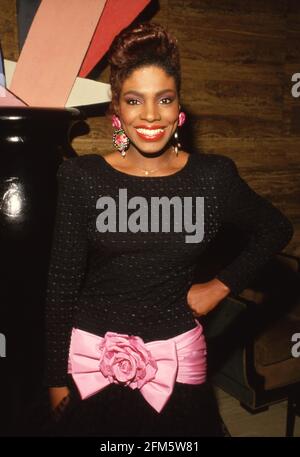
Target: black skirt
(118, 411)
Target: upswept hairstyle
(144, 44)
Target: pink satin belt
(153, 368)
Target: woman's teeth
(150, 132)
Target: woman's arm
(66, 273)
(268, 230)
(204, 297)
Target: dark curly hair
(146, 43)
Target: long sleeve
(268, 230)
(66, 271)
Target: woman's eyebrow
(135, 92)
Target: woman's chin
(153, 147)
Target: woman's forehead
(148, 78)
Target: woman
(126, 352)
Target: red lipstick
(150, 136)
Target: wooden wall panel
(237, 61)
(8, 29)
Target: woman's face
(148, 108)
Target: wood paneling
(237, 59)
(8, 29)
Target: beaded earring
(120, 139)
(181, 121)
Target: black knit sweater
(137, 283)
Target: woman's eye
(166, 100)
(132, 101)
(135, 101)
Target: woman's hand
(57, 394)
(203, 297)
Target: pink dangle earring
(181, 121)
(120, 139)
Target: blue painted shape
(2, 72)
(26, 10)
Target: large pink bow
(95, 362)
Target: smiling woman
(145, 80)
(126, 355)
(150, 113)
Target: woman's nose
(150, 112)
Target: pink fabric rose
(116, 123)
(125, 360)
(182, 118)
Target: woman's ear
(115, 107)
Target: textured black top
(136, 283)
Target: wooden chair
(250, 340)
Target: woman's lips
(150, 134)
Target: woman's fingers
(57, 394)
(60, 408)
